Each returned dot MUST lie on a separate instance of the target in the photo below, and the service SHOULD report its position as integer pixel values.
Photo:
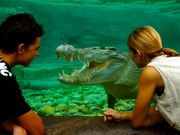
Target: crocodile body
(105, 66)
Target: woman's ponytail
(169, 52)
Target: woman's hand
(111, 114)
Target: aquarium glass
(84, 24)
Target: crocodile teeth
(73, 78)
(68, 58)
(87, 64)
(63, 74)
(84, 67)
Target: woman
(159, 79)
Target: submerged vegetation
(74, 101)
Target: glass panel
(84, 24)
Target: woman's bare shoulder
(150, 74)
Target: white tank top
(169, 102)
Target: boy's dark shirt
(12, 103)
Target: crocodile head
(101, 64)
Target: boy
(20, 37)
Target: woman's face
(138, 58)
(134, 57)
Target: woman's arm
(142, 115)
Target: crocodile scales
(105, 66)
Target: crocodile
(106, 66)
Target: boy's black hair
(17, 29)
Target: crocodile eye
(94, 48)
(112, 49)
(102, 47)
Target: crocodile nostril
(102, 47)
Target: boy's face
(28, 53)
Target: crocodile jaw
(97, 61)
(85, 75)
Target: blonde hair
(148, 40)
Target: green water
(85, 23)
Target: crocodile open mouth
(84, 74)
(96, 61)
